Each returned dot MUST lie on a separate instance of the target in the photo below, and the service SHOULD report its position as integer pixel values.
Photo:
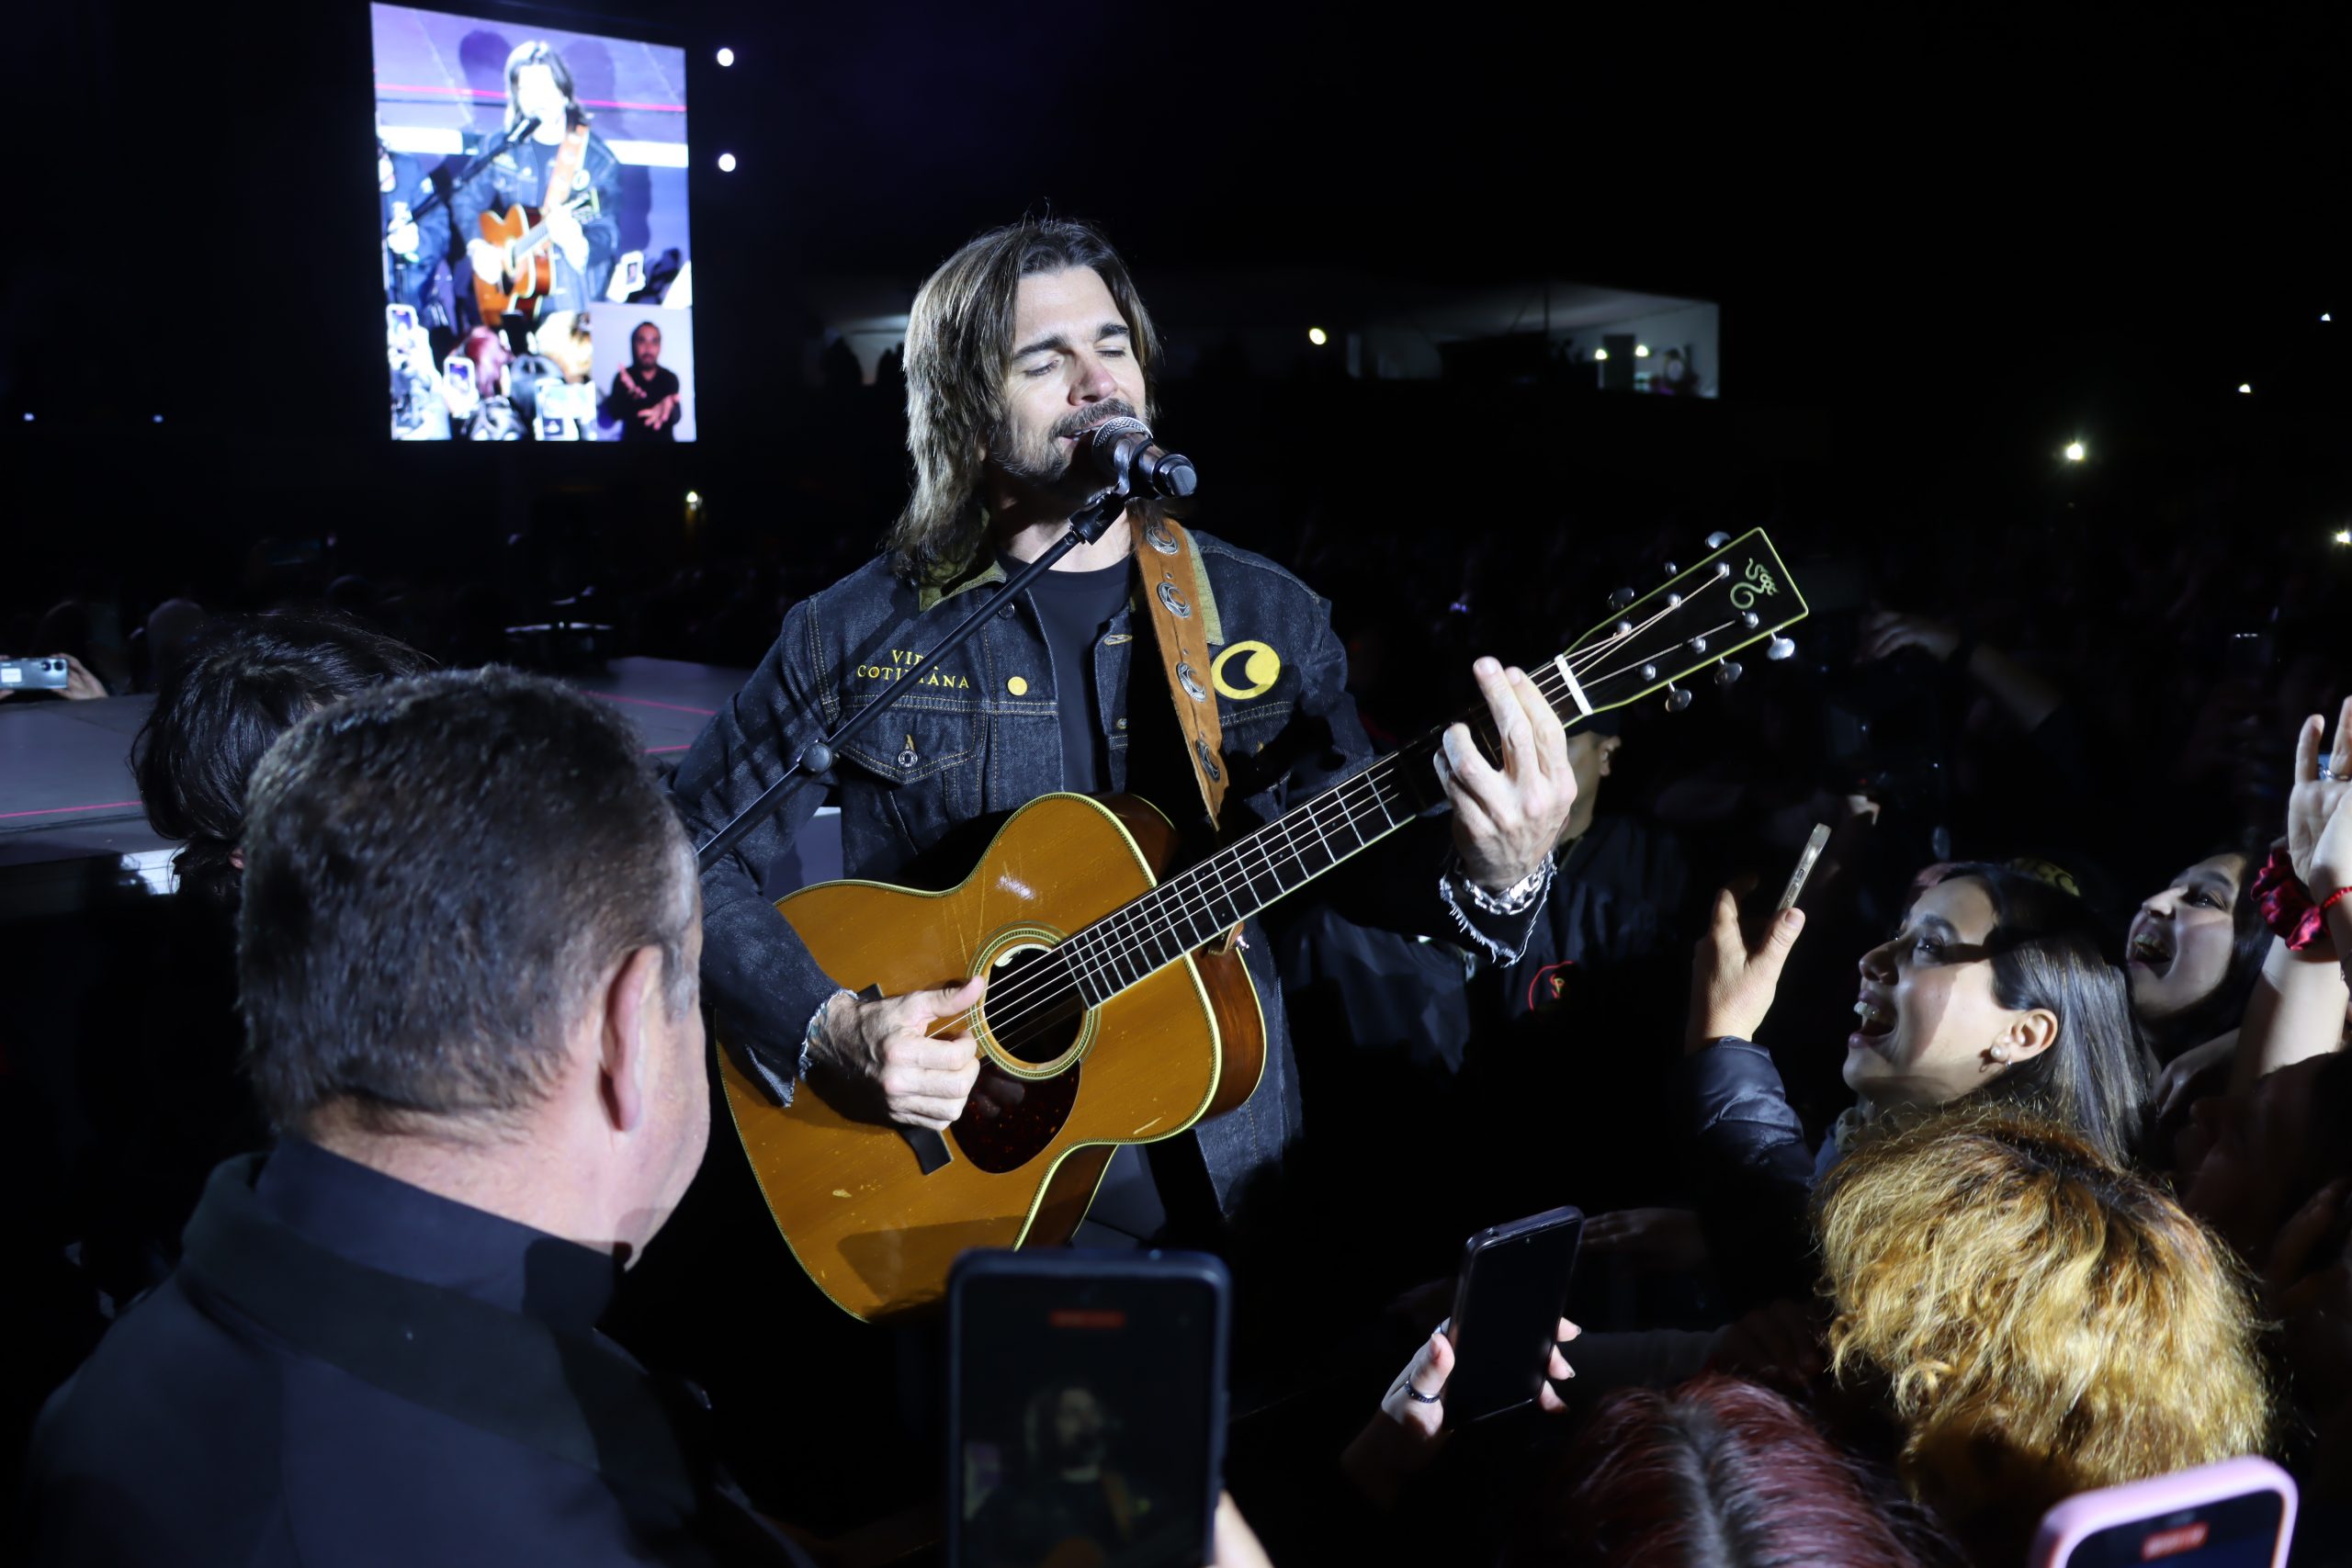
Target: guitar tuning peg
(1621, 598)
(1718, 539)
(1727, 672)
(1676, 699)
(1671, 568)
(1780, 648)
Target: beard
(1041, 464)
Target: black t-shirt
(1073, 607)
(619, 405)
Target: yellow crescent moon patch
(1261, 666)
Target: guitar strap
(1174, 583)
(566, 164)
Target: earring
(2001, 1054)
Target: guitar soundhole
(1009, 1120)
(1035, 1017)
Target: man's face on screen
(645, 347)
(535, 94)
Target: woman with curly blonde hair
(2036, 1320)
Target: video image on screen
(537, 274)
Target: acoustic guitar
(1115, 1011)
(527, 269)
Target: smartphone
(1506, 1304)
(2237, 1514)
(399, 320)
(1086, 1406)
(34, 674)
(459, 371)
(632, 272)
(1813, 848)
(555, 427)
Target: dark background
(1943, 250)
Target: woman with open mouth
(1994, 985)
(2193, 952)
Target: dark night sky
(2029, 222)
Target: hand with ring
(2321, 783)
(1401, 1440)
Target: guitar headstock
(1738, 596)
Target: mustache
(1073, 425)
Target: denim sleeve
(1398, 884)
(762, 982)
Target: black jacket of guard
(349, 1370)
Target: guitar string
(1133, 924)
(1142, 921)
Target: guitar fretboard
(1693, 621)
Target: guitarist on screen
(554, 170)
(1018, 342)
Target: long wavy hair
(2037, 1320)
(960, 338)
(2047, 951)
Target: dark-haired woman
(157, 1067)
(1995, 985)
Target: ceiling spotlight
(2075, 451)
(2245, 386)
(727, 163)
(727, 57)
(2326, 317)
(694, 498)
(1317, 336)
(1598, 354)
(1641, 351)
(2343, 535)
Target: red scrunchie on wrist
(2286, 904)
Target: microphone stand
(1086, 525)
(440, 196)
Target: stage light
(694, 498)
(2245, 386)
(1598, 355)
(29, 418)
(2326, 317)
(159, 418)
(2075, 451)
(1641, 351)
(727, 57)
(2343, 535)
(727, 163)
(1317, 336)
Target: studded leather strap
(1169, 565)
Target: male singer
(1017, 345)
(562, 168)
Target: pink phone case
(2066, 1526)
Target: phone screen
(2237, 1532)
(1506, 1312)
(1086, 1412)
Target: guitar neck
(1736, 597)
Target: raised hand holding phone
(1733, 980)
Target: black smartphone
(1506, 1304)
(1086, 1408)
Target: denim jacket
(979, 737)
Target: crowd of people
(414, 1206)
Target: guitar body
(875, 1230)
(529, 276)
